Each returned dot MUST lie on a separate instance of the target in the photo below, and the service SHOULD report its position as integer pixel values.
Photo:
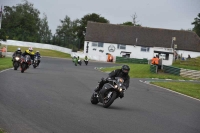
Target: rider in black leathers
(17, 52)
(123, 73)
(38, 54)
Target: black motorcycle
(16, 61)
(109, 92)
(36, 61)
(25, 63)
(86, 62)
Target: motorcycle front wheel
(16, 65)
(94, 99)
(108, 101)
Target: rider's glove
(108, 78)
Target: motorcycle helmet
(30, 49)
(37, 51)
(18, 49)
(125, 69)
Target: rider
(38, 55)
(86, 58)
(17, 52)
(123, 73)
(30, 53)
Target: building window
(97, 44)
(145, 49)
(94, 44)
(100, 44)
(120, 46)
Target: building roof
(149, 37)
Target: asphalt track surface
(55, 98)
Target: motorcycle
(86, 62)
(79, 62)
(36, 61)
(25, 63)
(109, 92)
(16, 62)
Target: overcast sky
(167, 14)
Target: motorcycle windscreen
(107, 86)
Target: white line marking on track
(168, 79)
(5, 70)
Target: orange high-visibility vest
(153, 60)
(156, 60)
(3, 49)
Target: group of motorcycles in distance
(77, 60)
(25, 61)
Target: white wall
(37, 45)
(185, 53)
(135, 52)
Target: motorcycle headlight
(16, 58)
(115, 86)
(120, 89)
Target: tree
(83, 23)
(45, 34)
(21, 22)
(134, 21)
(128, 23)
(66, 33)
(2, 35)
(196, 24)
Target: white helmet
(18, 49)
(30, 49)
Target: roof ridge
(141, 27)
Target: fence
(153, 68)
(171, 70)
(37, 45)
(131, 60)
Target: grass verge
(2, 131)
(143, 71)
(193, 63)
(5, 63)
(190, 89)
(43, 52)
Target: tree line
(22, 22)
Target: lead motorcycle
(16, 61)
(25, 63)
(109, 92)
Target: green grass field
(190, 89)
(143, 71)
(5, 63)
(193, 63)
(2, 131)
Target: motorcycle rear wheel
(23, 67)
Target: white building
(138, 42)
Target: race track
(55, 98)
